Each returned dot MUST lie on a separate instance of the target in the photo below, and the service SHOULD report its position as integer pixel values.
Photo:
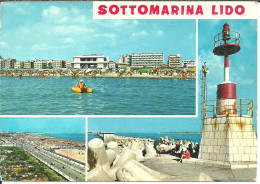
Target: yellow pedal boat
(84, 90)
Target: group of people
(183, 151)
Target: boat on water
(83, 90)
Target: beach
(76, 154)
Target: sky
(61, 30)
(43, 125)
(243, 72)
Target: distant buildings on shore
(95, 61)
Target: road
(69, 169)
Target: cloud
(21, 11)
(45, 47)
(104, 35)
(159, 33)
(68, 40)
(3, 45)
(52, 11)
(142, 33)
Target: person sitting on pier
(185, 154)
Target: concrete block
(221, 157)
(237, 158)
(210, 149)
(245, 158)
(209, 128)
(207, 135)
(221, 142)
(216, 149)
(214, 142)
(211, 135)
(241, 149)
(223, 149)
(204, 149)
(251, 135)
(230, 157)
(253, 157)
(223, 135)
(253, 149)
(233, 150)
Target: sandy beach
(73, 153)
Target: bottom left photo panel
(42, 149)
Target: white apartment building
(174, 60)
(19, 65)
(188, 63)
(1, 63)
(28, 64)
(90, 62)
(40, 64)
(111, 64)
(147, 59)
(56, 64)
(9, 63)
(126, 59)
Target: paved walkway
(192, 170)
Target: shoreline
(115, 76)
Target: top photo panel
(57, 60)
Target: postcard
(129, 91)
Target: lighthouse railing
(233, 39)
(242, 107)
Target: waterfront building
(9, 63)
(1, 63)
(56, 64)
(147, 59)
(90, 62)
(121, 65)
(19, 65)
(112, 65)
(174, 60)
(28, 64)
(127, 59)
(40, 64)
(188, 64)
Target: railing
(244, 107)
(234, 39)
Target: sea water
(111, 96)
(194, 137)
(67, 136)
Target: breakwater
(120, 158)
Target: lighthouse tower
(228, 134)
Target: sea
(111, 96)
(67, 136)
(194, 137)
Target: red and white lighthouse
(225, 44)
(228, 132)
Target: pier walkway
(192, 170)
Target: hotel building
(147, 59)
(174, 60)
(90, 62)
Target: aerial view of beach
(42, 149)
(83, 66)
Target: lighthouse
(228, 133)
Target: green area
(20, 165)
(4, 135)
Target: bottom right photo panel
(166, 149)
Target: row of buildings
(94, 61)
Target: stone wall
(228, 139)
